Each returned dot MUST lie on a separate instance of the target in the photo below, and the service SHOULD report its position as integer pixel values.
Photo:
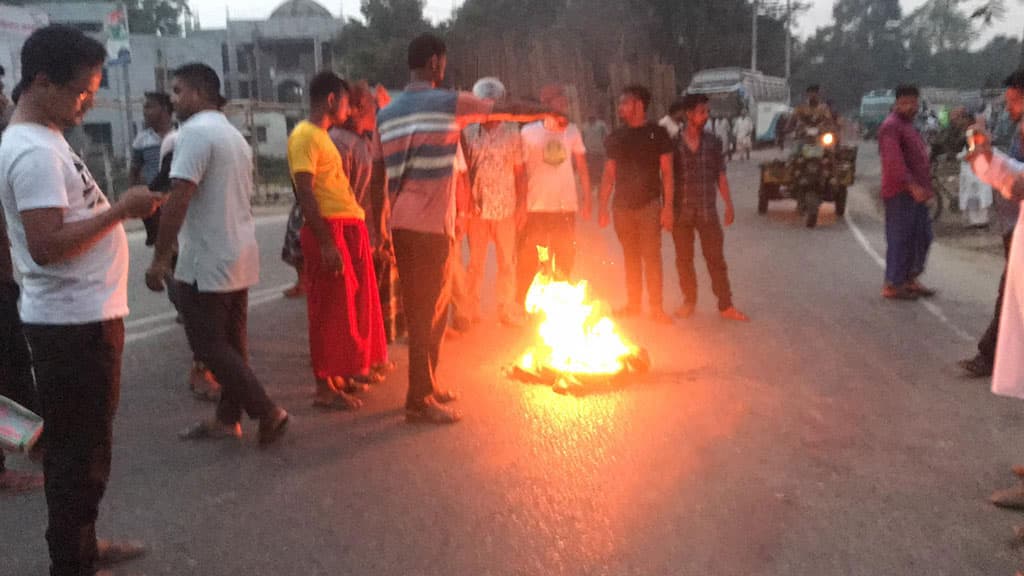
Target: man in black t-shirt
(639, 169)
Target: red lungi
(346, 329)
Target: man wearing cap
(494, 153)
(554, 154)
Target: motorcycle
(820, 170)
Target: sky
(212, 13)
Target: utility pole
(753, 36)
(129, 120)
(789, 37)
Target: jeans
(78, 372)
(987, 344)
(481, 233)
(16, 380)
(639, 232)
(556, 231)
(423, 269)
(908, 233)
(712, 242)
(216, 324)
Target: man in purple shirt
(906, 187)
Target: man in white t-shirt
(218, 259)
(548, 217)
(71, 251)
(673, 121)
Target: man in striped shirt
(419, 133)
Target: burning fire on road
(578, 348)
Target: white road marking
(167, 323)
(933, 308)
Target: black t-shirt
(637, 155)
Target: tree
(163, 17)
(375, 49)
(144, 16)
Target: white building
(264, 66)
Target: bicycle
(945, 174)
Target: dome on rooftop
(300, 9)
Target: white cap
(489, 88)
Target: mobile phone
(975, 138)
(971, 143)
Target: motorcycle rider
(813, 113)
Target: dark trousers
(639, 232)
(216, 324)
(987, 344)
(595, 166)
(78, 373)
(423, 261)
(908, 235)
(712, 243)
(16, 380)
(557, 232)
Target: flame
(575, 336)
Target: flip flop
(207, 430)
(339, 403)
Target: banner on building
(119, 48)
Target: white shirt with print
(38, 169)
(218, 250)
(547, 157)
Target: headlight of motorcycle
(828, 139)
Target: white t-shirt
(671, 126)
(547, 156)
(38, 169)
(218, 250)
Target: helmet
(489, 88)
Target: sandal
(384, 368)
(446, 396)
(273, 427)
(431, 412)
(13, 482)
(297, 291)
(109, 552)
(354, 386)
(211, 430)
(339, 401)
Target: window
(289, 92)
(243, 89)
(243, 55)
(225, 60)
(288, 58)
(160, 79)
(99, 133)
(105, 80)
(261, 134)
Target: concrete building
(264, 66)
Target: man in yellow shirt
(346, 329)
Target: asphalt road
(832, 435)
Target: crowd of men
(385, 191)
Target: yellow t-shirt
(310, 150)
